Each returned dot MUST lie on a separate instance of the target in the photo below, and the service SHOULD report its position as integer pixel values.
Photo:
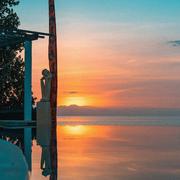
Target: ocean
(115, 148)
(120, 120)
(106, 147)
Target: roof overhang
(10, 37)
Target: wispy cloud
(71, 92)
(174, 43)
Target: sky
(111, 53)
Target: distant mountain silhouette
(74, 110)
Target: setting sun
(80, 101)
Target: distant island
(74, 110)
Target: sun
(79, 101)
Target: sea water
(114, 148)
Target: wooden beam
(53, 98)
(27, 82)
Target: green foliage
(8, 18)
(11, 62)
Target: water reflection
(24, 139)
(78, 130)
(14, 136)
(43, 139)
(118, 152)
(28, 146)
(105, 152)
(46, 161)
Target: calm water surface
(115, 149)
(91, 152)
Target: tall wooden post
(53, 97)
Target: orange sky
(117, 59)
(91, 75)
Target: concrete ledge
(14, 124)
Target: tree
(11, 62)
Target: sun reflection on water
(76, 130)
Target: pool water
(91, 152)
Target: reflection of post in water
(46, 160)
(28, 146)
(44, 124)
(43, 139)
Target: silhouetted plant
(11, 62)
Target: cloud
(174, 43)
(71, 92)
